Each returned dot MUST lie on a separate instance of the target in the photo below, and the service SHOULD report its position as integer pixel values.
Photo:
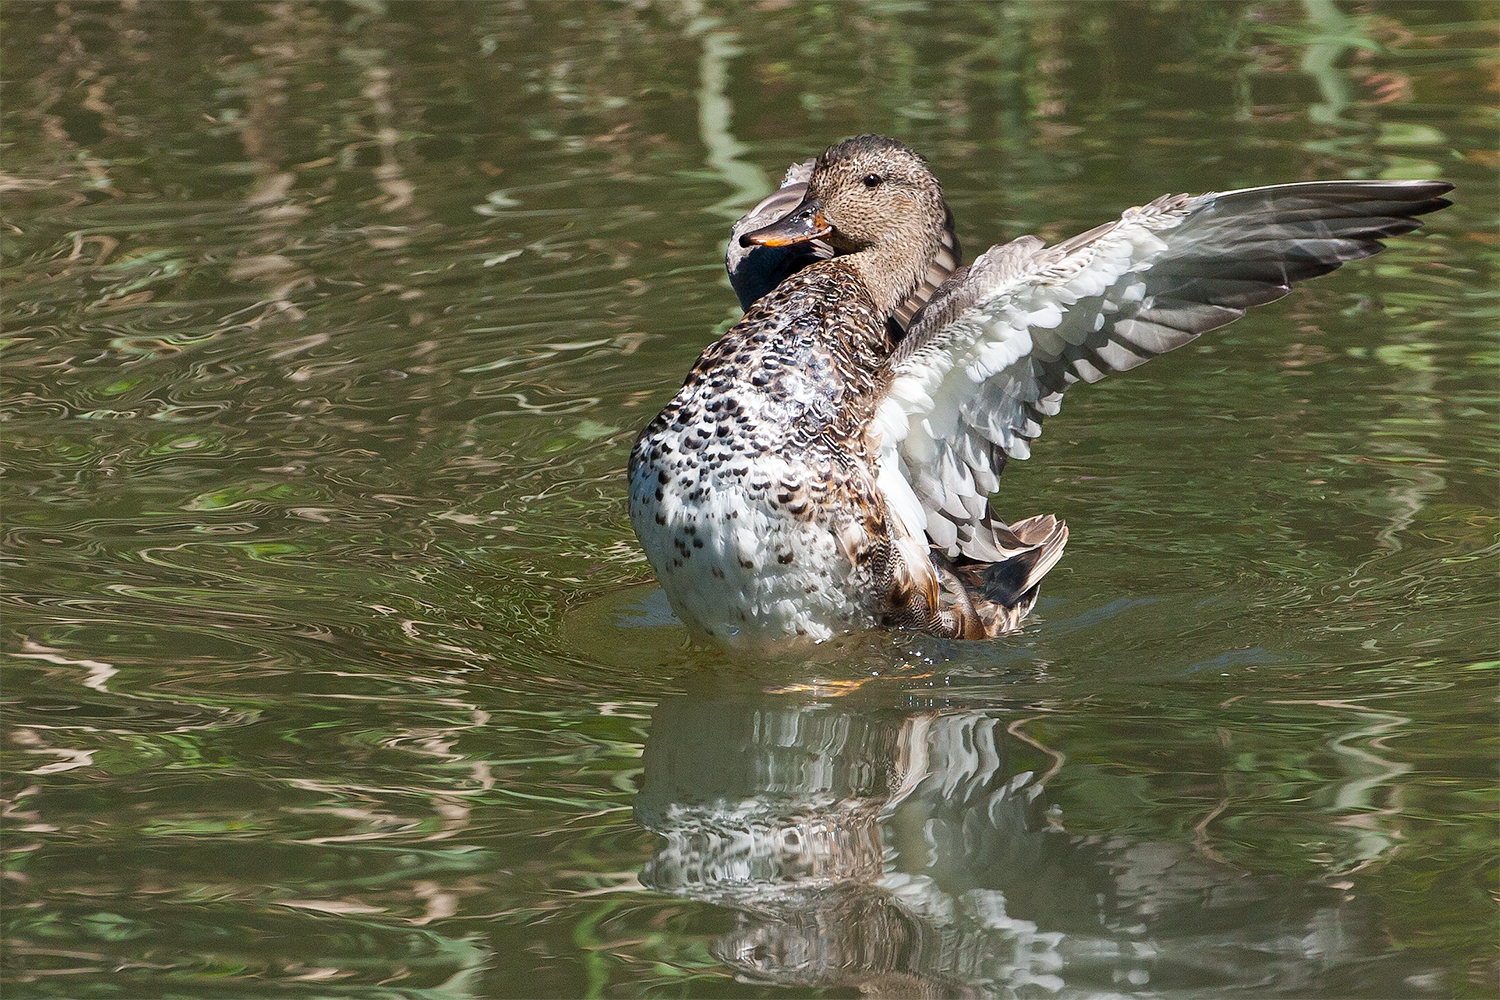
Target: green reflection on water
(332, 661)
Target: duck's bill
(805, 222)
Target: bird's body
(755, 483)
(827, 464)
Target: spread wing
(990, 356)
(754, 271)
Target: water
(333, 669)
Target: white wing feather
(989, 357)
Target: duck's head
(868, 192)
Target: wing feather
(989, 357)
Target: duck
(827, 466)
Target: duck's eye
(873, 180)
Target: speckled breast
(750, 491)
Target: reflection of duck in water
(825, 468)
(913, 854)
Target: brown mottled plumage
(772, 425)
(827, 466)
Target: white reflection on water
(915, 851)
(1362, 752)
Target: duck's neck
(891, 273)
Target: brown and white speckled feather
(753, 492)
(823, 469)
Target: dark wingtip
(1425, 187)
(1434, 203)
(1428, 196)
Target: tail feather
(1006, 582)
(996, 596)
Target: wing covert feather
(989, 357)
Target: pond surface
(334, 670)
